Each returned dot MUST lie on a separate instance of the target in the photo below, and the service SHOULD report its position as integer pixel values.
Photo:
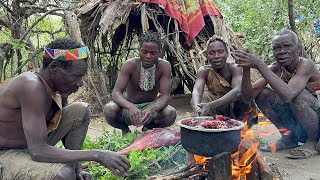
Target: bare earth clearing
(286, 169)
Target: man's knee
(77, 113)
(86, 109)
(169, 115)
(65, 173)
(267, 96)
(304, 99)
(110, 111)
(110, 108)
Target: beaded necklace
(147, 78)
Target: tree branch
(6, 7)
(25, 62)
(48, 32)
(291, 17)
(38, 20)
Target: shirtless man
(32, 120)
(141, 79)
(217, 88)
(223, 81)
(289, 104)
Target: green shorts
(17, 163)
(126, 116)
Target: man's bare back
(11, 127)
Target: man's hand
(246, 59)
(83, 175)
(206, 109)
(114, 162)
(197, 111)
(146, 116)
(135, 116)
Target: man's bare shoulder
(130, 65)
(27, 86)
(164, 66)
(27, 82)
(307, 66)
(131, 62)
(274, 67)
(163, 62)
(305, 61)
(203, 72)
(204, 68)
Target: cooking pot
(209, 142)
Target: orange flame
(243, 165)
(247, 150)
(201, 159)
(285, 131)
(243, 158)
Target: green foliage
(258, 20)
(143, 163)
(46, 30)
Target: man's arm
(35, 128)
(198, 88)
(165, 82)
(121, 85)
(33, 113)
(286, 91)
(296, 84)
(250, 91)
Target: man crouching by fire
(291, 103)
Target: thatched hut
(111, 29)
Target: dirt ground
(282, 167)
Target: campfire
(245, 163)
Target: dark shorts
(289, 120)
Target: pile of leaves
(143, 163)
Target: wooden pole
(220, 167)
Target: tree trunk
(291, 17)
(72, 25)
(293, 26)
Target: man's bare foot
(305, 151)
(282, 144)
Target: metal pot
(209, 142)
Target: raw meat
(155, 138)
(218, 122)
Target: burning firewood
(182, 173)
(255, 159)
